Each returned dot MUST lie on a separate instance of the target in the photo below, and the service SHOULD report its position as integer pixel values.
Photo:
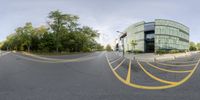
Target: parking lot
(153, 75)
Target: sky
(106, 16)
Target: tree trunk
(57, 49)
(28, 48)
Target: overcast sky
(107, 16)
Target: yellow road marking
(119, 64)
(167, 70)
(154, 77)
(57, 61)
(189, 75)
(174, 65)
(185, 62)
(151, 87)
(128, 78)
(116, 60)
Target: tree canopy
(108, 48)
(193, 46)
(62, 33)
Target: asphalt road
(96, 76)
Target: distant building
(158, 35)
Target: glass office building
(158, 35)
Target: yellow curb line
(154, 77)
(174, 65)
(57, 61)
(52, 59)
(151, 87)
(119, 64)
(116, 60)
(167, 70)
(184, 62)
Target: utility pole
(123, 47)
(123, 51)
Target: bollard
(133, 58)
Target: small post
(154, 59)
(133, 57)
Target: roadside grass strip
(167, 70)
(56, 61)
(169, 84)
(173, 65)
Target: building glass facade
(158, 35)
(171, 35)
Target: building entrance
(149, 41)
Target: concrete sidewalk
(2, 53)
(151, 57)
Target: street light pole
(123, 51)
(123, 47)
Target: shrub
(174, 51)
(161, 51)
(138, 51)
(169, 51)
(134, 51)
(86, 49)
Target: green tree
(99, 47)
(198, 46)
(47, 43)
(108, 48)
(37, 36)
(60, 24)
(87, 37)
(133, 44)
(26, 34)
(1, 44)
(193, 46)
(63, 33)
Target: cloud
(107, 16)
